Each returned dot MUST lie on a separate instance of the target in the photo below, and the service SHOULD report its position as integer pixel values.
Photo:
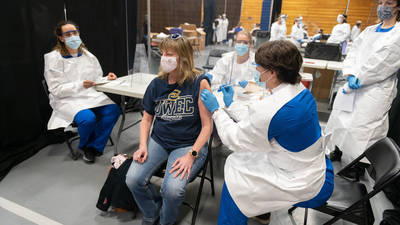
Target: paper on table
(102, 80)
(344, 102)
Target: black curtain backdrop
(209, 17)
(103, 30)
(276, 10)
(27, 34)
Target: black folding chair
(71, 132)
(202, 175)
(350, 200)
(212, 58)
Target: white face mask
(168, 63)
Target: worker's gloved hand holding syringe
(210, 101)
(353, 83)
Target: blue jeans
(229, 213)
(173, 189)
(95, 125)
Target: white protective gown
(262, 176)
(354, 33)
(340, 33)
(64, 77)
(228, 71)
(278, 32)
(374, 59)
(225, 24)
(219, 33)
(296, 34)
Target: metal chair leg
(196, 207)
(211, 175)
(111, 141)
(74, 155)
(290, 211)
(305, 216)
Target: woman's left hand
(111, 76)
(183, 166)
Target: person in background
(215, 29)
(224, 24)
(305, 32)
(341, 31)
(181, 129)
(237, 29)
(370, 69)
(235, 67)
(318, 35)
(278, 157)
(278, 29)
(219, 33)
(71, 72)
(253, 32)
(297, 33)
(355, 31)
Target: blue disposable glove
(243, 83)
(228, 92)
(209, 76)
(209, 100)
(354, 83)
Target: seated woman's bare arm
(183, 165)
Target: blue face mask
(241, 49)
(385, 12)
(73, 42)
(257, 79)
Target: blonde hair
(245, 33)
(185, 67)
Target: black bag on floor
(115, 192)
(324, 51)
(391, 217)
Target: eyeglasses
(70, 33)
(176, 36)
(242, 42)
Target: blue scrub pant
(95, 125)
(229, 213)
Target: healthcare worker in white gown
(71, 72)
(278, 159)
(278, 29)
(370, 69)
(235, 67)
(297, 34)
(341, 31)
(355, 32)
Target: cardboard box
(189, 33)
(188, 26)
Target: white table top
(334, 65)
(133, 85)
(314, 63)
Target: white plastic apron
(262, 176)
(353, 132)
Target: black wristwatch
(194, 153)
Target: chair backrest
(213, 57)
(384, 157)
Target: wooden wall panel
(166, 13)
(251, 13)
(323, 14)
